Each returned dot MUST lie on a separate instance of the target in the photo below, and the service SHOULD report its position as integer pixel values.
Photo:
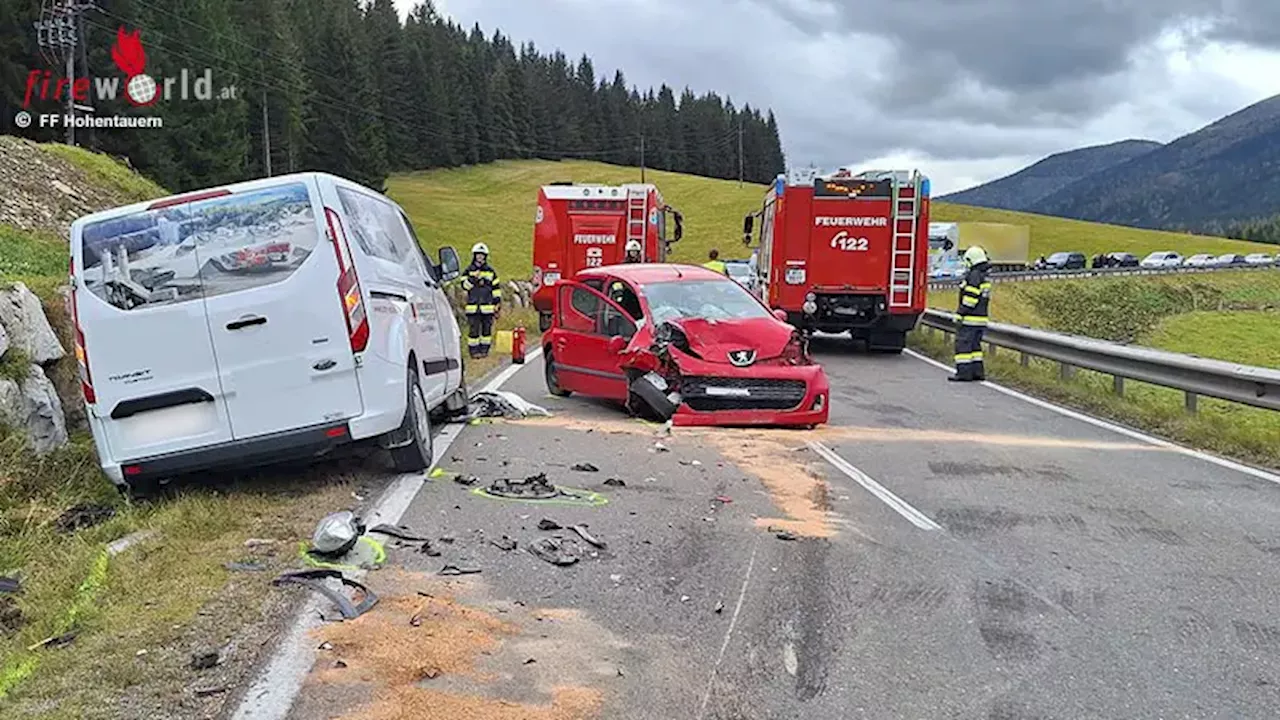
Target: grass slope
(495, 203)
(1053, 234)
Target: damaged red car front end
(754, 372)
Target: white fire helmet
(975, 256)
(479, 248)
(634, 246)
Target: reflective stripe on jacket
(975, 297)
(483, 293)
(716, 265)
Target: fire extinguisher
(517, 346)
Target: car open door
(592, 331)
(275, 307)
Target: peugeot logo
(742, 358)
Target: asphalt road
(969, 555)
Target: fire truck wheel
(416, 455)
(549, 372)
(544, 322)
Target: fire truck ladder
(905, 212)
(636, 215)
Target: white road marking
(271, 697)
(1127, 432)
(900, 506)
(733, 622)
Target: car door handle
(246, 322)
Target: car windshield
(1157, 256)
(1058, 257)
(705, 299)
(738, 269)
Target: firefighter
(715, 263)
(484, 299)
(634, 250)
(975, 299)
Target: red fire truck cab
(583, 226)
(845, 252)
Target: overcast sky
(967, 90)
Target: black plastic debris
(656, 394)
(548, 524)
(534, 487)
(467, 480)
(314, 579)
(459, 570)
(581, 530)
(615, 482)
(555, 551)
(10, 585)
(584, 467)
(429, 550)
(53, 642)
(398, 531)
(719, 608)
(505, 544)
(204, 659)
(83, 516)
(783, 534)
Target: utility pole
(60, 34)
(642, 158)
(739, 152)
(266, 135)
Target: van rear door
(152, 384)
(270, 276)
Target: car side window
(625, 296)
(377, 226)
(581, 312)
(613, 323)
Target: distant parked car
(1261, 259)
(1066, 261)
(740, 270)
(1161, 259)
(1229, 260)
(1199, 260)
(1122, 259)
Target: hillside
(495, 203)
(1023, 189)
(1053, 234)
(1221, 172)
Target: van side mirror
(450, 265)
(617, 344)
(748, 224)
(679, 227)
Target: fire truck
(845, 252)
(582, 226)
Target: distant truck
(846, 252)
(1008, 246)
(582, 226)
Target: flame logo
(128, 54)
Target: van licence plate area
(154, 427)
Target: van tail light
(348, 284)
(82, 355)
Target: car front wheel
(553, 380)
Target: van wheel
(417, 426)
(549, 372)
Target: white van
(263, 321)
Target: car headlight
(795, 276)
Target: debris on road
(207, 691)
(314, 579)
(615, 482)
(467, 480)
(783, 534)
(503, 404)
(336, 533)
(722, 499)
(719, 608)
(204, 659)
(658, 447)
(82, 516)
(584, 467)
(534, 487)
(399, 531)
(505, 544)
(555, 551)
(429, 550)
(548, 524)
(255, 543)
(459, 570)
(581, 530)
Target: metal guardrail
(1027, 275)
(1195, 376)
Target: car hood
(713, 340)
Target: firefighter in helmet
(715, 263)
(634, 250)
(975, 301)
(484, 299)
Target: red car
(684, 343)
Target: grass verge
(1245, 433)
(105, 171)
